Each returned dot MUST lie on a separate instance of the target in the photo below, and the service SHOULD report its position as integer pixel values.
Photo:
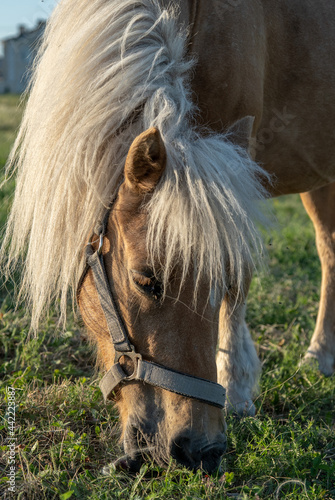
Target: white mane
(101, 60)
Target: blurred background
(22, 22)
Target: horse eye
(148, 284)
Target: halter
(144, 371)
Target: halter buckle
(133, 356)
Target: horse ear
(145, 162)
(241, 131)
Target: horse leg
(237, 361)
(320, 206)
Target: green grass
(66, 435)
(10, 117)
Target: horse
(152, 135)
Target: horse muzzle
(188, 449)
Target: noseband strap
(144, 371)
(171, 380)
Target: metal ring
(101, 242)
(135, 357)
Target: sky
(27, 12)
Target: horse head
(162, 325)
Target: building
(19, 53)
(2, 79)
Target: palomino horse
(145, 112)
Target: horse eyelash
(148, 284)
(142, 280)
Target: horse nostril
(181, 450)
(211, 456)
(206, 457)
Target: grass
(66, 435)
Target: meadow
(66, 437)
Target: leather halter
(144, 371)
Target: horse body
(273, 61)
(184, 214)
